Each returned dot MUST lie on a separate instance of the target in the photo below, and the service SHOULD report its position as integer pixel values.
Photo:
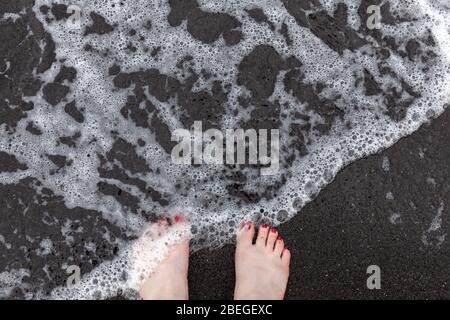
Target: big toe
(245, 234)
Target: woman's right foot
(262, 269)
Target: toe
(163, 223)
(178, 218)
(262, 235)
(279, 246)
(245, 234)
(271, 238)
(154, 230)
(286, 257)
(162, 226)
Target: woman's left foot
(169, 280)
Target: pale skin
(262, 268)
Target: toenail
(279, 238)
(274, 230)
(264, 226)
(249, 225)
(178, 218)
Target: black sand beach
(390, 209)
(353, 224)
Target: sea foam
(364, 128)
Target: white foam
(93, 90)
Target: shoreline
(354, 223)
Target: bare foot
(262, 269)
(169, 280)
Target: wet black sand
(347, 228)
(396, 218)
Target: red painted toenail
(274, 230)
(279, 238)
(249, 225)
(178, 218)
(264, 226)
